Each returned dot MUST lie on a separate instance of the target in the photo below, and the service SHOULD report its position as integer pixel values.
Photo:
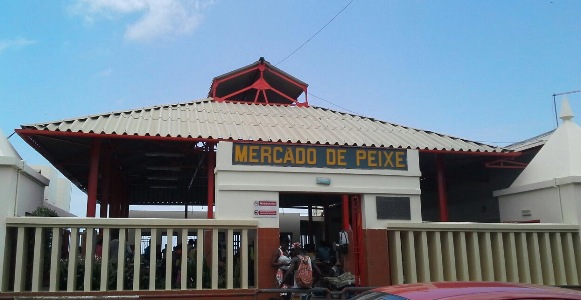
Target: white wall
(21, 187)
(58, 193)
(239, 205)
(21, 191)
(63, 194)
(238, 186)
(543, 199)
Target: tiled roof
(209, 119)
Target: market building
(254, 147)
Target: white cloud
(157, 18)
(15, 43)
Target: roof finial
(566, 111)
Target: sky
(480, 70)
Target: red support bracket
(505, 164)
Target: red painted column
(357, 245)
(211, 183)
(107, 179)
(346, 212)
(442, 196)
(93, 179)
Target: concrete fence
(547, 254)
(61, 254)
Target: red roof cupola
(259, 82)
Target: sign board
(319, 156)
(393, 208)
(265, 209)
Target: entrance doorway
(317, 219)
(311, 217)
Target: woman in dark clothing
(281, 260)
(297, 255)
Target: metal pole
(555, 102)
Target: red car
(468, 290)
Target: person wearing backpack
(304, 271)
(281, 260)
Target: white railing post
(510, 257)
(498, 256)
(89, 242)
(230, 259)
(105, 260)
(557, 258)
(534, 258)
(72, 267)
(121, 258)
(448, 256)
(215, 246)
(55, 257)
(200, 258)
(395, 257)
(435, 255)
(244, 260)
(137, 259)
(152, 258)
(473, 249)
(524, 268)
(572, 264)
(168, 259)
(38, 262)
(461, 252)
(486, 263)
(184, 260)
(20, 266)
(576, 237)
(423, 260)
(548, 272)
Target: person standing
(298, 257)
(281, 260)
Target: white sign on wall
(265, 209)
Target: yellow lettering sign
(241, 153)
(277, 151)
(301, 156)
(288, 156)
(359, 156)
(317, 156)
(331, 157)
(341, 157)
(311, 156)
(253, 154)
(265, 155)
(399, 160)
(388, 159)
